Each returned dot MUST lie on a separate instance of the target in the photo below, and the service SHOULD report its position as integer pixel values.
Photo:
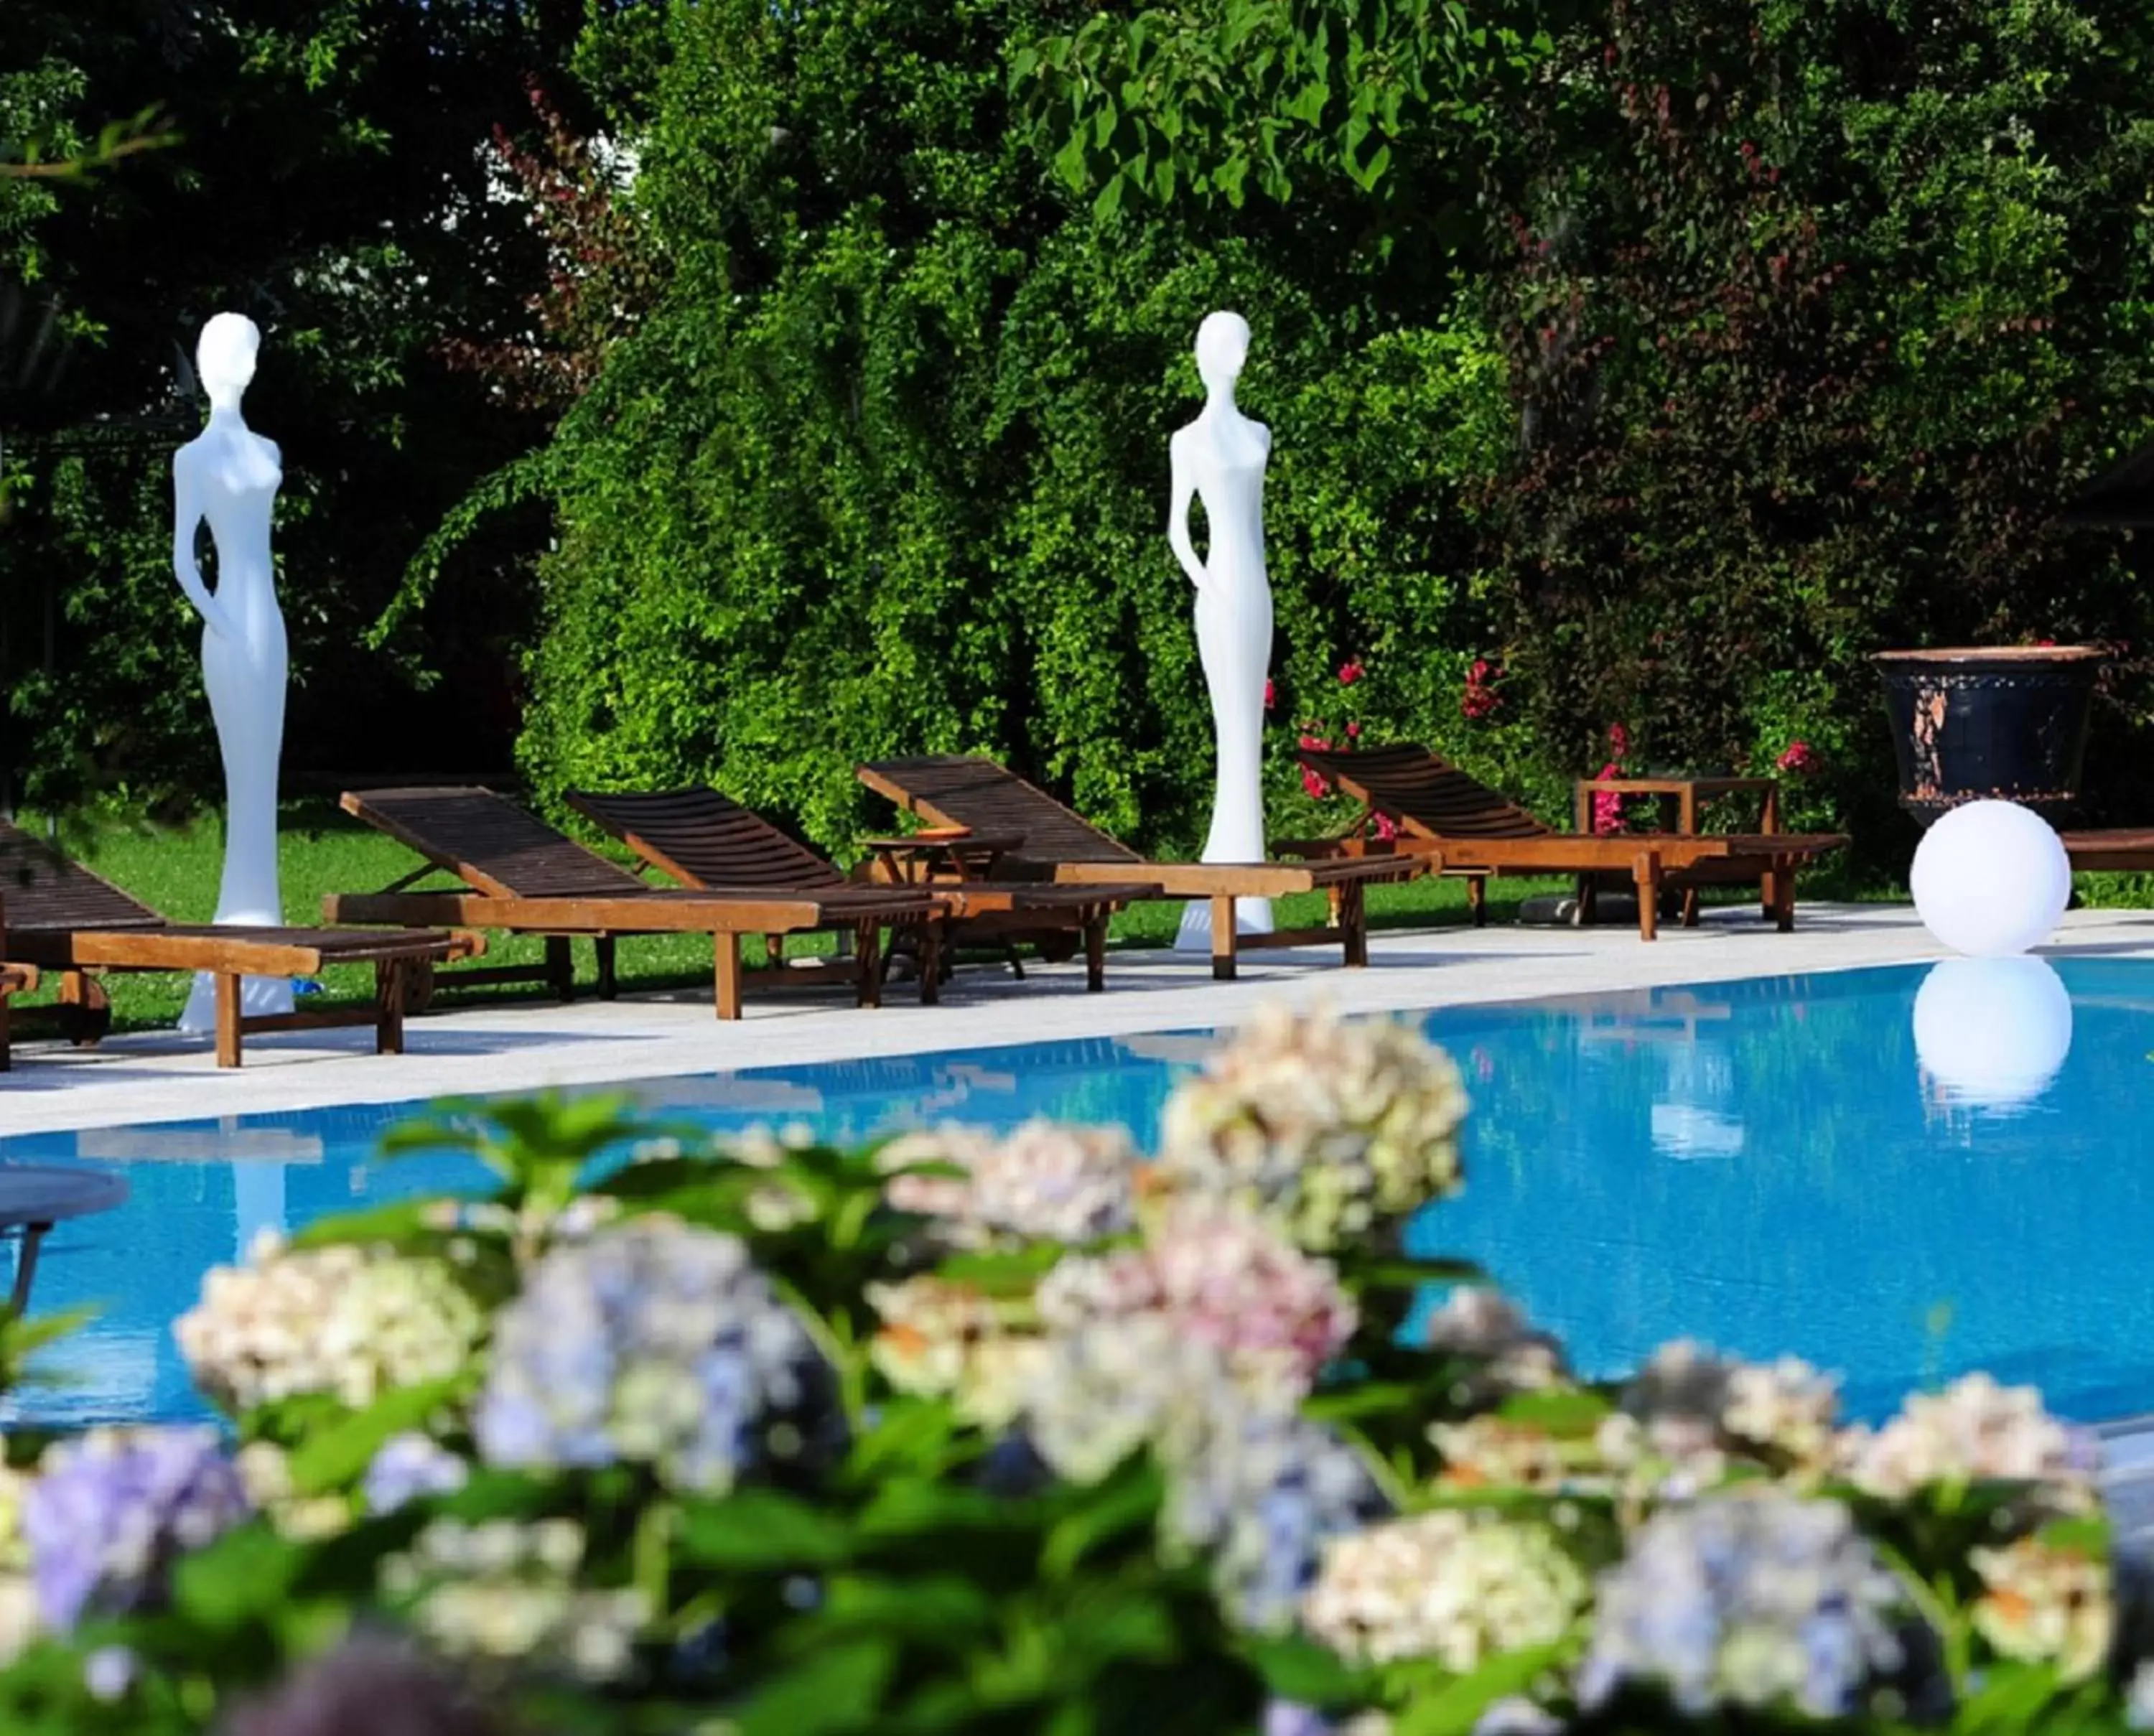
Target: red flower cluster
(1481, 699)
(1271, 694)
(1350, 673)
(1798, 758)
(1608, 810)
(1314, 785)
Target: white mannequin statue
(1220, 458)
(228, 476)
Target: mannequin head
(1222, 345)
(225, 358)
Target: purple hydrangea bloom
(110, 1512)
(409, 1468)
(655, 1342)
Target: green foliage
(327, 179)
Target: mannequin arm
(1178, 523)
(186, 517)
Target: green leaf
(835, 1688)
(1454, 1709)
(1302, 1671)
(339, 1455)
(761, 1529)
(1128, 1500)
(243, 1576)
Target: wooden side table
(1679, 799)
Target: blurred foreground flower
(508, 1592)
(1456, 1585)
(1222, 1275)
(2043, 1602)
(1755, 1599)
(655, 1342)
(1974, 1430)
(1332, 1127)
(351, 1321)
(368, 1687)
(1045, 1182)
(110, 1510)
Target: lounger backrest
(46, 891)
(967, 790)
(703, 839)
(1423, 792)
(490, 844)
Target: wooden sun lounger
(973, 793)
(1437, 808)
(520, 875)
(2115, 851)
(61, 917)
(707, 841)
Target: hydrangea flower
(1757, 1599)
(1251, 1484)
(1045, 1182)
(409, 1468)
(2045, 1603)
(1479, 1321)
(1224, 1276)
(1331, 1127)
(110, 1509)
(506, 1591)
(944, 1339)
(1974, 1430)
(1458, 1585)
(658, 1343)
(265, 1473)
(19, 1620)
(1687, 1414)
(353, 1321)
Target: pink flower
(1271, 694)
(1386, 828)
(1618, 742)
(1316, 743)
(1800, 758)
(1608, 808)
(1353, 731)
(1316, 787)
(1350, 673)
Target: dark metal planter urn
(2009, 722)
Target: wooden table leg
(389, 994)
(88, 1009)
(1354, 919)
(560, 967)
(1095, 950)
(228, 1019)
(1646, 871)
(726, 948)
(930, 956)
(1477, 899)
(1223, 947)
(604, 948)
(867, 944)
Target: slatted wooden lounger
(977, 794)
(14, 979)
(62, 918)
(2111, 852)
(520, 875)
(705, 839)
(1438, 808)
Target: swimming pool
(1767, 1165)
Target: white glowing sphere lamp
(1991, 880)
(1993, 1034)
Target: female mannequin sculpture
(1220, 458)
(228, 476)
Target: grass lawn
(325, 850)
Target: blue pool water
(1765, 1164)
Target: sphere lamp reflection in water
(1993, 1034)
